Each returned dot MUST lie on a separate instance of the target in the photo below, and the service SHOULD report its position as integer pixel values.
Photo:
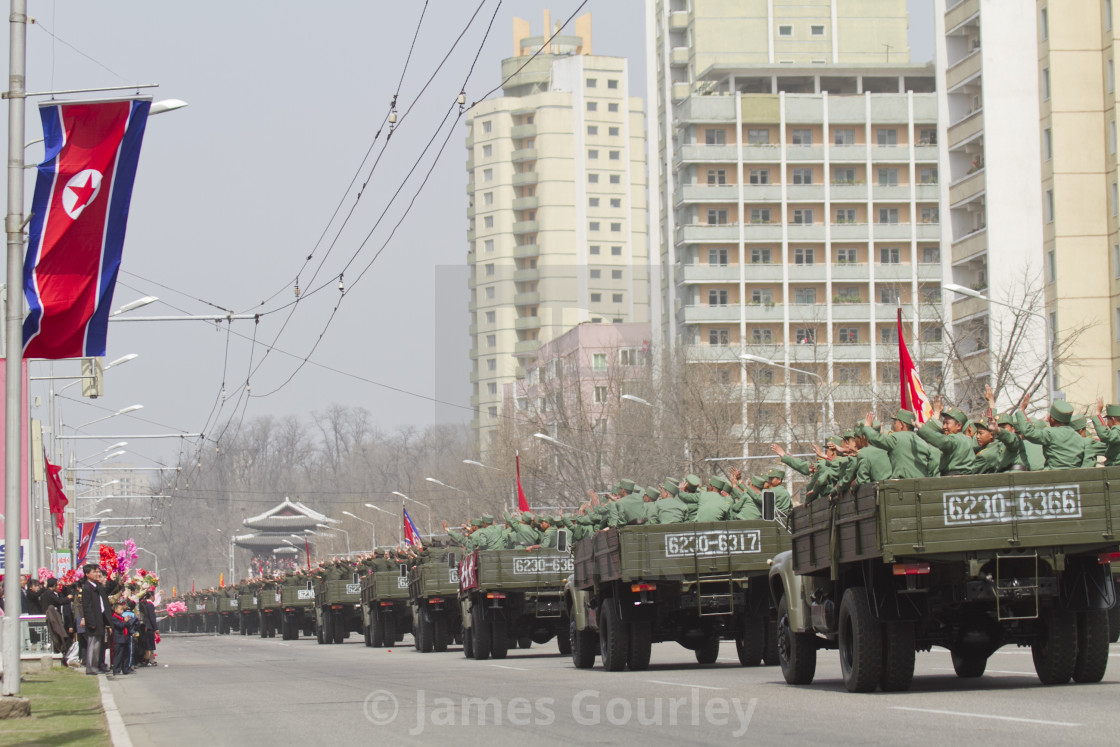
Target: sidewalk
(65, 709)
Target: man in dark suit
(95, 617)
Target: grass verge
(65, 709)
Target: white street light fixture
(138, 303)
(452, 487)
(372, 531)
(335, 529)
(639, 400)
(418, 503)
(120, 361)
(165, 105)
(125, 411)
(473, 463)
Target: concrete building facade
(557, 210)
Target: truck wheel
(1092, 646)
(898, 657)
(319, 637)
(439, 635)
(427, 634)
(861, 643)
(770, 650)
(389, 635)
(641, 646)
(376, 628)
(708, 651)
(797, 652)
(583, 644)
(264, 629)
(524, 641)
(1114, 621)
(481, 630)
(564, 641)
(1055, 649)
(613, 643)
(468, 644)
(499, 639)
(751, 641)
(339, 626)
(969, 666)
(327, 629)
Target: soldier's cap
(956, 415)
(778, 473)
(488, 518)
(758, 481)
(693, 481)
(1078, 423)
(1005, 419)
(1112, 411)
(834, 440)
(1061, 411)
(718, 483)
(476, 522)
(627, 485)
(905, 416)
(653, 493)
(848, 434)
(671, 487)
(526, 517)
(981, 424)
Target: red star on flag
(83, 194)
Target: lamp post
(335, 529)
(775, 364)
(372, 531)
(1051, 384)
(418, 503)
(400, 525)
(473, 463)
(124, 411)
(232, 567)
(452, 487)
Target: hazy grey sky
(234, 192)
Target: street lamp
(418, 503)
(99, 513)
(551, 440)
(124, 411)
(120, 361)
(639, 400)
(452, 487)
(775, 364)
(137, 304)
(335, 529)
(473, 463)
(400, 529)
(1051, 384)
(372, 531)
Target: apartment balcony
(929, 272)
(526, 226)
(847, 153)
(520, 132)
(708, 154)
(966, 128)
(680, 91)
(526, 299)
(850, 271)
(525, 179)
(471, 235)
(472, 330)
(968, 188)
(526, 348)
(762, 231)
(927, 192)
(524, 251)
(762, 193)
(474, 400)
(805, 153)
(892, 231)
(474, 377)
(757, 272)
(890, 193)
(523, 154)
(470, 212)
(470, 186)
(525, 203)
(470, 164)
(805, 231)
(930, 231)
(813, 273)
(849, 232)
(707, 193)
(678, 20)
(891, 272)
(850, 351)
(698, 274)
(714, 314)
(527, 322)
(960, 13)
(472, 306)
(966, 70)
(966, 306)
(759, 153)
(702, 233)
(805, 193)
(469, 143)
(714, 353)
(526, 276)
(848, 192)
(926, 153)
(970, 246)
(891, 153)
(678, 56)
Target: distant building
(556, 179)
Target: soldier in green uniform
(945, 432)
(1107, 426)
(649, 505)
(783, 501)
(628, 509)
(1093, 447)
(1062, 447)
(675, 509)
(910, 456)
(802, 466)
(712, 505)
(872, 463)
(991, 455)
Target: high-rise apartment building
(557, 212)
(797, 202)
(1029, 147)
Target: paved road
(249, 691)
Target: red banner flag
(914, 396)
(411, 533)
(522, 504)
(56, 496)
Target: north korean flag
(78, 219)
(411, 533)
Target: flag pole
(13, 353)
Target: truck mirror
(404, 571)
(768, 508)
(452, 561)
(310, 585)
(354, 577)
(562, 540)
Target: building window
(595, 274)
(614, 155)
(927, 137)
(717, 257)
(762, 296)
(758, 137)
(491, 389)
(600, 395)
(616, 251)
(719, 337)
(802, 137)
(1111, 77)
(1048, 205)
(760, 215)
(889, 255)
(847, 295)
(715, 137)
(1045, 84)
(616, 202)
(889, 295)
(616, 274)
(490, 292)
(717, 297)
(488, 175)
(805, 296)
(593, 202)
(596, 297)
(888, 177)
(594, 249)
(847, 375)
(1111, 136)
(613, 108)
(844, 136)
(843, 176)
(927, 175)
(803, 217)
(491, 364)
(931, 294)
(888, 215)
(491, 341)
(592, 178)
(758, 176)
(615, 179)
(612, 131)
(487, 151)
(593, 225)
(490, 269)
(1044, 24)
(816, 30)
(803, 256)
(932, 333)
(1107, 14)
(599, 361)
(1116, 260)
(493, 412)
(616, 227)
(762, 257)
(931, 255)
(846, 256)
(592, 130)
(785, 31)
(592, 83)
(488, 221)
(593, 155)
(886, 136)
(616, 298)
(888, 335)
(490, 317)
(931, 215)
(627, 356)
(802, 176)
(488, 198)
(489, 245)
(889, 375)
(486, 127)
(1051, 267)
(806, 336)
(592, 106)
(1114, 198)
(612, 83)
(846, 215)
(762, 336)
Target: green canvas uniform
(957, 455)
(872, 465)
(746, 508)
(797, 465)
(783, 501)
(910, 456)
(1093, 449)
(691, 503)
(627, 510)
(1062, 446)
(711, 506)
(990, 459)
(1110, 437)
(671, 510)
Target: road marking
(988, 671)
(502, 666)
(682, 684)
(118, 732)
(282, 644)
(984, 715)
(728, 658)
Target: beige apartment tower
(796, 206)
(557, 217)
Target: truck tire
(641, 646)
(613, 646)
(770, 650)
(440, 635)
(338, 625)
(898, 657)
(427, 634)
(1055, 649)
(564, 641)
(367, 636)
(708, 651)
(524, 641)
(860, 642)
(468, 643)
(499, 639)
(285, 628)
(389, 635)
(376, 628)
(969, 666)
(797, 652)
(751, 641)
(1114, 622)
(1092, 646)
(319, 637)
(481, 629)
(264, 628)
(327, 628)
(583, 645)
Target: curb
(118, 734)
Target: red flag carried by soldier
(914, 396)
(522, 504)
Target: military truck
(513, 598)
(386, 613)
(229, 612)
(338, 608)
(247, 611)
(433, 591)
(196, 613)
(268, 610)
(210, 619)
(696, 584)
(968, 563)
(1114, 613)
(297, 607)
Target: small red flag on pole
(55, 495)
(522, 504)
(914, 396)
